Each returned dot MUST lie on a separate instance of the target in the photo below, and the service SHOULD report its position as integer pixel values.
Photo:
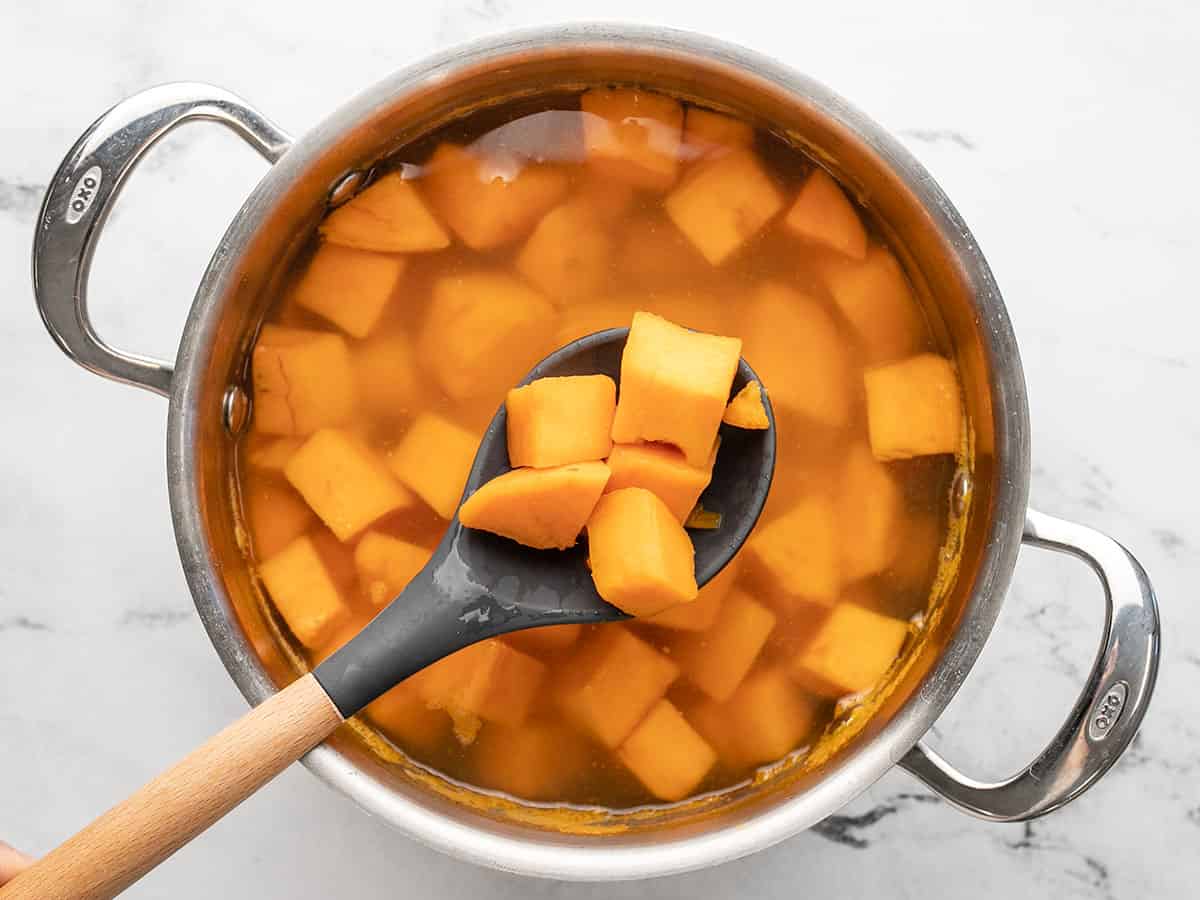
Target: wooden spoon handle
(137, 834)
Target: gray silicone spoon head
(479, 585)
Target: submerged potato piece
(350, 288)
(718, 659)
(304, 592)
(655, 254)
(661, 469)
(746, 409)
(724, 203)
(386, 565)
(390, 216)
(537, 761)
(824, 215)
(674, 386)
(766, 718)
(633, 136)
(609, 200)
(568, 254)
(545, 640)
(303, 380)
(271, 454)
(610, 683)
(490, 680)
(555, 421)
(708, 133)
(483, 332)
(850, 651)
(489, 203)
(696, 310)
(596, 315)
(275, 516)
(541, 508)
(869, 511)
(913, 407)
(642, 560)
(385, 369)
(793, 344)
(434, 458)
(796, 554)
(700, 614)
(875, 298)
(404, 716)
(345, 482)
(667, 754)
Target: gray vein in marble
(155, 618)
(940, 136)
(1171, 541)
(20, 197)
(23, 623)
(846, 830)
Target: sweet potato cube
(537, 761)
(275, 516)
(674, 386)
(851, 650)
(386, 565)
(569, 253)
(655, 254)
(385, 367)
(717, 660)
(483, 331)
(633, 136)
(608, 199)
(434, 458)
(724, 203)
(348, 287)
(303, 380)
(490, 680)
(642, 560)
(708, 133)
(555, 421)
(768, 716)
(271, 454)
(611, 682)
(746, 409)
(403, 716)
(345, 482)
(797, 553)
(794, 345)
(546, 640)
(869, 510)
(824, 215)
(489, 203)
(701, 613)
(874, 296)
(661, 469)
(390, 216)
(666, 753)
(304, 592)
(913, 408)
(541, 508)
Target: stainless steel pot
(204, 389)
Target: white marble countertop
(1067, 138)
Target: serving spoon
(476, 586)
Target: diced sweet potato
(350, 288)
(700, 614)
(434, 458)
(611, 682)
(708, 133)
(724, 203)
(655, 254)
(674, 386)
(569, 253)
(874, 296)
(390, 216)
(766, 718)
(596, 315)
(490, 680)
(403, 716)
(794, 346)
(546, 640)
(385, 366)
(345, 482)
(275, 516)
(869, 510)
(386, 565)
(851, 650)
(913, 408)
(303, 591)
(633, 136)
(609, 199)
(796, 555)
(303, 380)
(542, 508)
(822, 214)
(537, 761)
(746, 409)
(269, 454)
(642, 560)
(666, 753)
(483, 332)
(717, 660)
(555, 421)
(490, 203)
(659, 468)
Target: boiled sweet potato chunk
(746, 409)
(345, 482)
(304, 591)
(611, 682)
(674, 386)
(766, 718)
(537, 761)
(701, 613)
(707, 133)
(390, 216)
(642, 560)
(874, 296)
(303, 380)
(541, 508)
(555, 421)
(403, 715)
(796, 556)
(718, 659)
(724, 203)
(490, 680)
(851, 650)
(386, 565)
(655, 254)
(609, 200)
(483, 331)
(434, 458)
(271, 454)
(666, 753)
(662, 470)
(546, 640)
(870, 508)
(913, 408)
(350, 288)
(385, 369)
(633, 136)
(275, 515)
(569, 254)
(824, 215)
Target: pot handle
(81, 196)
(1109, 710)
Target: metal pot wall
(204, 387)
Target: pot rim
(661, 856)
